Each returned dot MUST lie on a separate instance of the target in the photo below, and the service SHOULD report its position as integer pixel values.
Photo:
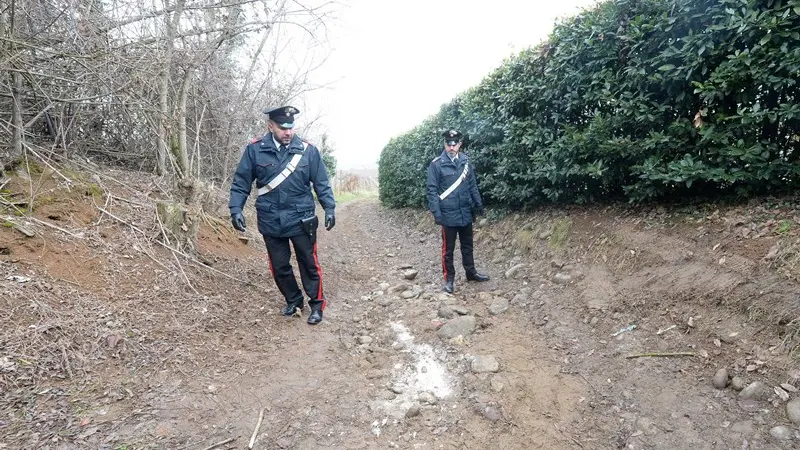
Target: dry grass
(785, 258)
(345, 183)
(345, 197)
(348, 187)
(560, 236)
(525, 239)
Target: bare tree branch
(111, 79)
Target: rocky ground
(601, 328)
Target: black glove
(237, 219)
(330, 221)
(481, 211)
(437, 220)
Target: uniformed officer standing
(452, 196)
(284, 168)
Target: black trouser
(305, 251)
(448, 244)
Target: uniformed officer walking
(452, 197)
(284, 168)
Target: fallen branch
(660, 332)
(21, 229)
(596, 392)
(190, 258)
(226, 441)
(13, 205)
(255, 432)
(74, 283)
(163, 231)
(135, 203)
(643, 355)
(22, 203)
(568, 436)
(209, 221)
(66, 360)
(100, 219)
(155, 260)
(184, 274)
(94, 169)
(42, 159)
(53, 227)
(194, 260)
(221, 226)
(122, 220)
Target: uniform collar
(446, 157)
(295, 146)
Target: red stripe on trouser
(271, 270)
(319, 272)
(444, 251)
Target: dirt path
(382, 371)
(350, 382)
(563, 381)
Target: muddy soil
(596, 331)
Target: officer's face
(452, 149)
(282, 135)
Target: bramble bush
(635, 99)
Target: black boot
(315, 317)
(448, 286)
(289, 309)
(475, 276)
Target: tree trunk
(182, 150)
(171, 24)
(180, 218)
(179, 225)
(18, 133)
(163, 124)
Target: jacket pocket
(303, 169)
(266, 172)
(448, 171)
(264, 206)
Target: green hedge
(636, 99)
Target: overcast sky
(394, 63)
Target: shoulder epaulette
(256, 140)
(437, 158)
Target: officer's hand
(237, 219)
(330, 221)
(437, 220)
(481, 211)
